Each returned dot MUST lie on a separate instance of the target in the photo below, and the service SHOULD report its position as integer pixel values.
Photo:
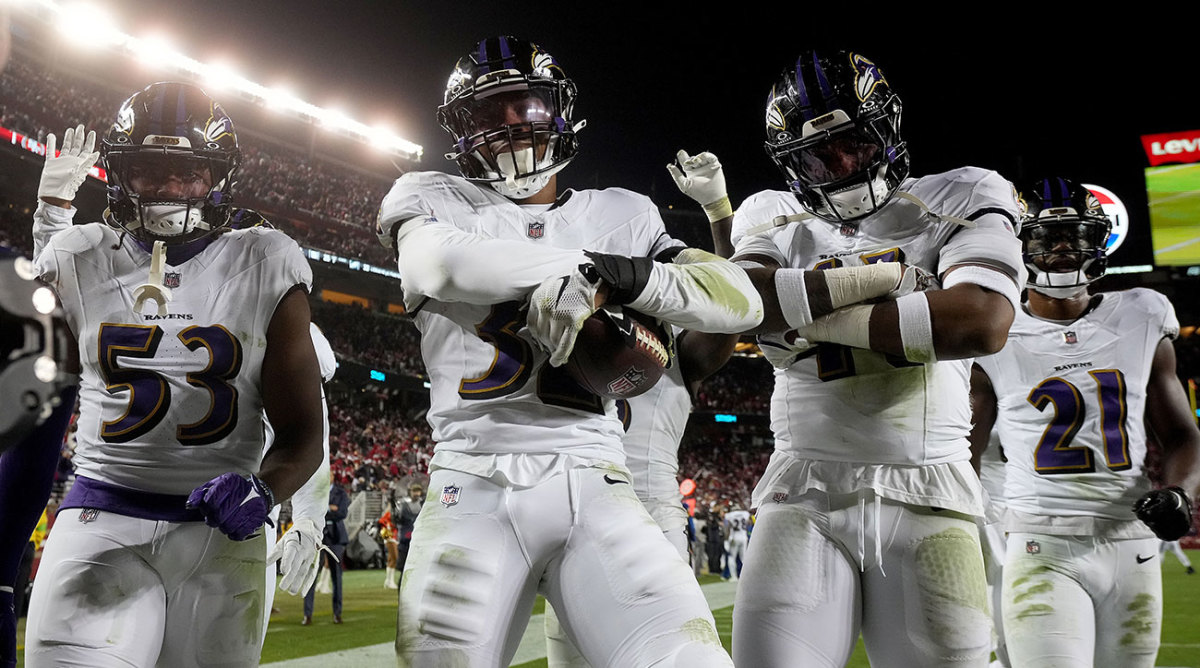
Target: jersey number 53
(149, 393)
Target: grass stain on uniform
(701, 630)
(1142, 625)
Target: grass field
(1173, 192)
(370, 619)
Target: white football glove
(557, 309)
(702, 179)
(63, 174)
(297, 553)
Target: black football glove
(1168, 512)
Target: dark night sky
(1021, 92)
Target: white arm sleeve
(49, 220)
(702, 292)
(312, 499)
(443, 262)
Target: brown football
(619, 353)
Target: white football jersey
(737, 523)
(170, 402)
(492, 391)
(1070, 404)
(656, 421)
(837, 403)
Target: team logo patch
(779, 497)
(450, 495)
(171, 279)
(536, 230)
(1033, 547)
(88, 515)
(1069, 337)
(630, 380)
(867, 78)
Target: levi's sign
(1170, 147)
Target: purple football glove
(233, 504)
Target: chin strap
(781, 221)
(154, 288)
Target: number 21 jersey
(1070, 400)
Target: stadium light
(87, 25)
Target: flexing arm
(1169, 417)
(983, 414)
(443, 262)
(291, 384)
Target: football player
(865, 514)
(150, 563)
(529, 492)
(1072, 393)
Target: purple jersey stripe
(89, 493)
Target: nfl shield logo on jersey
(88, 515)
(536, 230)
(1033, 547)
(1069, 337)
(171, 279)
(779, 497)
(450, 495)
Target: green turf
(370, 618)
(1174, 204)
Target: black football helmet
(1063, 233)
(833, 129)
(171, 156)
(508, 107)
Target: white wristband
(849, 326)
(916, 328)
(793, 297)
(992, 279)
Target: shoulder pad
(760, 208)
(408, 199)
(82, 238)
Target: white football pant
(583, 540)
(1075, 601)
(121, 591)
(560, 652)
(812, 581)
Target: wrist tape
(916, 328)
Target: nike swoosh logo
(566, 280)
(1142, 560)
(614, 481)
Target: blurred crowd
(322, 204)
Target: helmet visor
(529, 107)
(168, 177)
(1061, 246)
(838, 156)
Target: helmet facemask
(168, 194)
(171, 156)
(1064, 251)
